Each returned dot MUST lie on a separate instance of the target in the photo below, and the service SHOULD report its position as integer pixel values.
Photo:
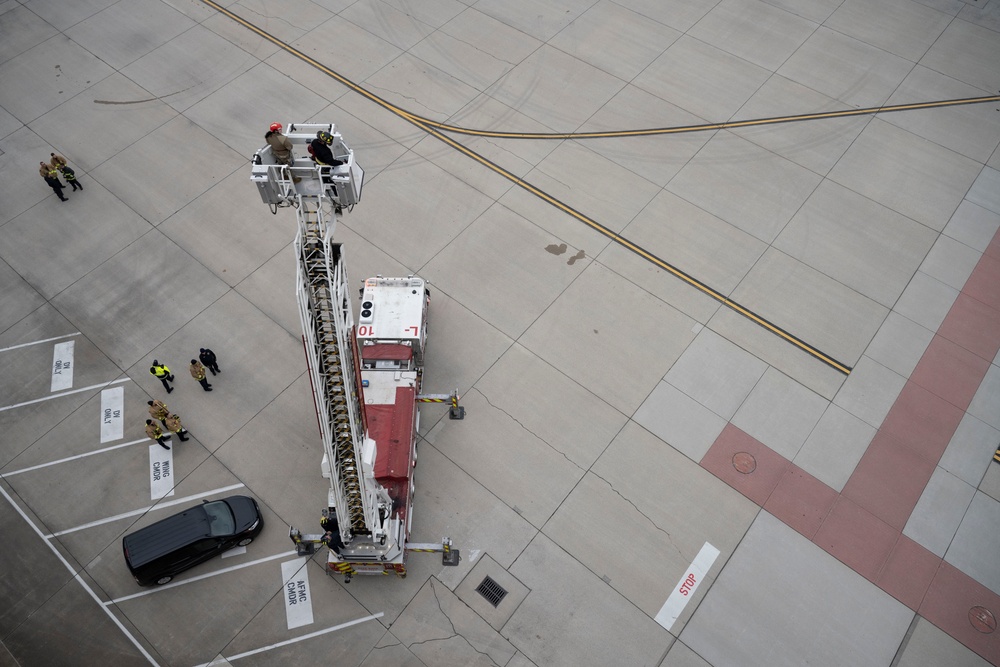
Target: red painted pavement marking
(759, 484)
(947, 603)
(973, 325)
(982, 284)
(993, 249)
(908, 572)
(801, 501)
(950, 372)
(889, 479)
(921, 422)
(857, 538)
(862, 526)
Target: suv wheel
(164, 580)
(245, 541)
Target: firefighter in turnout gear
(321, 152)
(173, 423)
(281, 147)
(198, 373)
(70, 177)
(154, 432)
(51, 177)
(158, 410)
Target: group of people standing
(51, 170)
(158, 410)
(171, 421)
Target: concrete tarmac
(731, 382)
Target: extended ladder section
(365, 379)
(325, 312)
(318, 192)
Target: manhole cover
(492, 591)
(744, 462)
(982, 619)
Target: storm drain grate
(492, 591)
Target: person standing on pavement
(158, 410)
(154, 432)
(173, 423)
(70, 177)
(163, 374)
(52, 179)
(198, 373)
(58, 161)
(208, 358)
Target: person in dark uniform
(198, 373)
(321, 152)
(154, 432)
(163, 374)
(207, 357)
(70, 177)
(331, 533)
(51, 179)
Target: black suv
(156, 553)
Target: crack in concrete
(519, 423)
(268, 17)
(454, 632)
(509, 152)
(646, 516)
(491, 55)
(429, 110)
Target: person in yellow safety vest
(153, 432)
(281, 147)
(158, 410)
(163, 374)
(198, 373)
(173, 423)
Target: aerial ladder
(365, 379)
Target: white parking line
(65, 393)
(76, 576)
(143, 510)
(297, 639)
(38, 342)
(164, 587)
(72, 458)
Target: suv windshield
(220, 518)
